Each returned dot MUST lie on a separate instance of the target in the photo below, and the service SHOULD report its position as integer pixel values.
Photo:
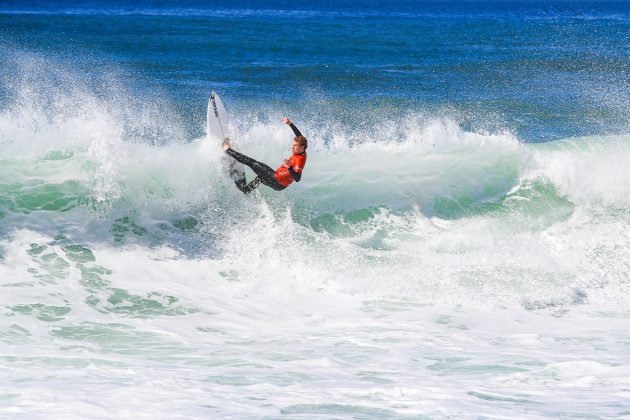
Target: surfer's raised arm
(293, 127)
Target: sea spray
(458, 243)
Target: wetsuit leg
(264, 173)
(250, 187)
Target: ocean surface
(458, 246)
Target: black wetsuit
(264, 173)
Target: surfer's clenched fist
(286, 121)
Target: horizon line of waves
(305, 13)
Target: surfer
(289, 171)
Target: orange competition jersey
(282, 174)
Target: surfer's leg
(259, 168)
(264, 173)
(249, 187)
(241, 184)
(245, 160)
(270, 180)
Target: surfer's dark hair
(301, 141)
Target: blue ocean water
(458, 245)
(541, 69)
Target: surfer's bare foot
(226, 143)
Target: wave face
(416, 208)
(428, 263)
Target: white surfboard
(218, 124)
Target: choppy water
(458, 246)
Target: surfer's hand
(226, 143)
(286, 163)
(286, 120)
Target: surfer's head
(299, 145)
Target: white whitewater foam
(440, 273)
